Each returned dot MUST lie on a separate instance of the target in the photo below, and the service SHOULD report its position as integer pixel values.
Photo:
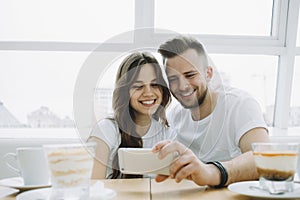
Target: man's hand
(186, 165)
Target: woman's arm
(101, 158)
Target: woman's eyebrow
(140, 81)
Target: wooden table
(128, 189)
(148, 189)
(186, 190)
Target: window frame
(281, 42)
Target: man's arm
(243, 167)
(253, 135)
(188, 166)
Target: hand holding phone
(143, 161)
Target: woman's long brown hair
(123, 112)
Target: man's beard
(198, 103)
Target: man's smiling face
(186, 76)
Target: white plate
(18, 183)
(44, 194)
(244, 188)
(5, 191)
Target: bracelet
(223, 171)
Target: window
(230, 17)
(254, 74)
(66, 21)
(298, 32)
(37, 87)
(294, 120)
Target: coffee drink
(276, 166)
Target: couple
(211, 130)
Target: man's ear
(209, 73)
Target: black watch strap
(223, 171)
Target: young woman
(139, 101)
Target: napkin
(97, 191)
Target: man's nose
(183, 84)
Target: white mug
(32, 163)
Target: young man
(216, 125)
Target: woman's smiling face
(145, 92)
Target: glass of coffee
(276, 164)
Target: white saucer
(41, 194)
(44, 194)
(244, 189)
(18, 183)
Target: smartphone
(143, 161)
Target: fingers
(160, 178)
(181, 167)
(184, 172)
(160, 145)
(171, 147)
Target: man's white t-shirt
(216, 137)
(108, 131)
